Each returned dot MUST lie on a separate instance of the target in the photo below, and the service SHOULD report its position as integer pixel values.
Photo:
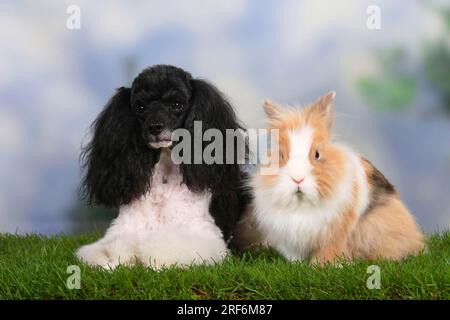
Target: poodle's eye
(176, 106)
(317, 155)
(140, 108)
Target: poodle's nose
(156, 128)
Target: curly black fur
(119, 161)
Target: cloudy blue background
(54, 81)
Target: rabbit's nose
(298, 181)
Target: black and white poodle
(168, 214)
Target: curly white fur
(170, 225)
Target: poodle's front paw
(108, 255)
(95, 255)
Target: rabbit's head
(309, 166)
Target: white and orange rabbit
(327, 202)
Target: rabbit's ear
(324, 107)
(271, 109)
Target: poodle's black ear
(118, 164)
(210, 107)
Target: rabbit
(326, 202)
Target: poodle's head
(161, 100)
(138, 121)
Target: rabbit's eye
(317, 155)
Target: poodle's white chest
(169, 202)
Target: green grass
(35, 267)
